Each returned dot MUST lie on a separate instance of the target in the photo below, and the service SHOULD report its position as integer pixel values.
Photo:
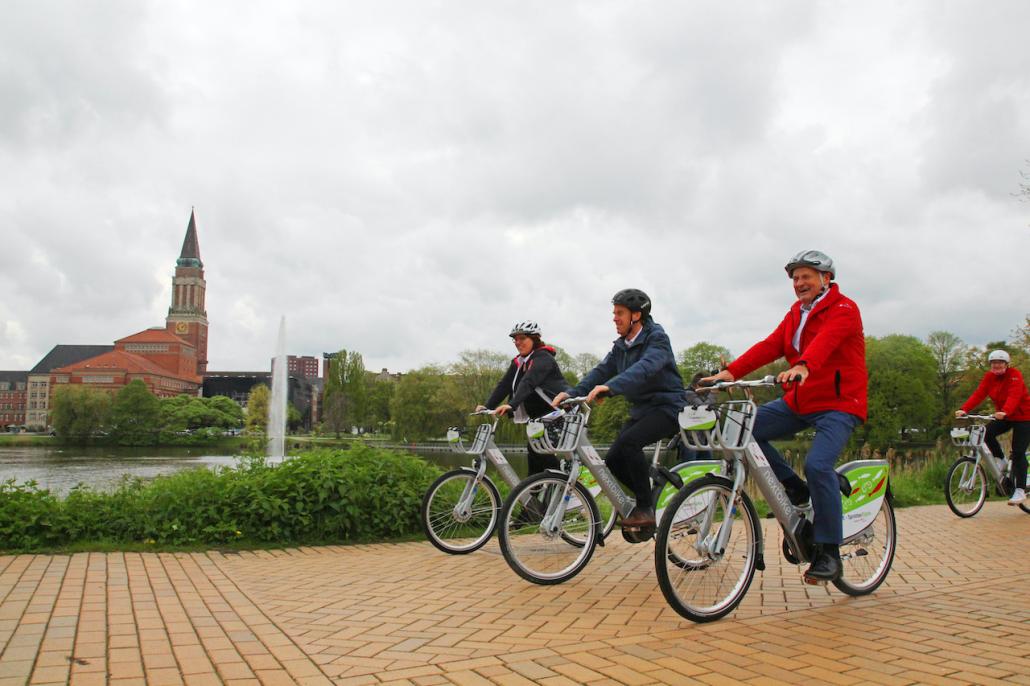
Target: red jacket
(1007, 391)
(832, 345)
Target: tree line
(135, 416)
(914, 388)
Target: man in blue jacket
(642, 367)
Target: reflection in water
(102, 468)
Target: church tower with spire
(187, 317)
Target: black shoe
(825, 567)
(797, 492)
(640, 518)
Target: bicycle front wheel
(459, 515)
(867, 558)
(545, 537)
(701, 579)
(965, 487)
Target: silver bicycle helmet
(527, 328)
(999, 355)
(818, 261)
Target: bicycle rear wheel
(548, 555)
(700, 582)
(455, 529)
(866, 559)
(965, 487)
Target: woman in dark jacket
(530, 383)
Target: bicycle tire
(954, 493)
(547, 557)
(443, 528)
(692, 581)
(862, 576)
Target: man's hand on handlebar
(959, 414)
(596, 391)
(558, 398)
(501, 409)
(792, 375)
(724, 375)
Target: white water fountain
(277, 404)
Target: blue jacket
(645, 372)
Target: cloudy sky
(407, 179)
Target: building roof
(190, 255)
(154, 335)
(119, 360)
(64, 355)
(14, 377)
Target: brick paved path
(955, 610)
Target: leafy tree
(423, 405)
(1021, 336)
(257, 409)
(476, 374)
(344, 399)
(80, 413)
(950, 355)
(702, 358)
(135, 415)
(379, 395)
(293, 417)
(902, 374)
(607, 418)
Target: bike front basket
(968, 437)
(736, 421)
(560, 435)
(479, 440)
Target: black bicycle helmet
(634, 300)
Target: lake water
(61, 468)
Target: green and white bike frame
(732, 426)
(585, 464)
(972, 437)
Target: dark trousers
(538, 462)
(832, 430)
(626, 458)
(1020, 442)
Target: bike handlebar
(726, 385)
(482, 412)
(980, 417)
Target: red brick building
(170, 360)
(13, 390)
(305, 366)
(164, 362)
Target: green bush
(354, 495)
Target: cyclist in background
(821, 337)
(532, 379)
(1004, 385)
(642, 367)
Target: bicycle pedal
(812, 581)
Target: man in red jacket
(821, 338)
(1004, 385)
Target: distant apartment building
(37, 409)
(13, 389)
(305, 367)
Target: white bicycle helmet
(527, 328)
(818, 261)
(999, 355)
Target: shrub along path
(955, 610)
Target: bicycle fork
(463, 508)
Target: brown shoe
(640, 518)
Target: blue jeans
(832, 429)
